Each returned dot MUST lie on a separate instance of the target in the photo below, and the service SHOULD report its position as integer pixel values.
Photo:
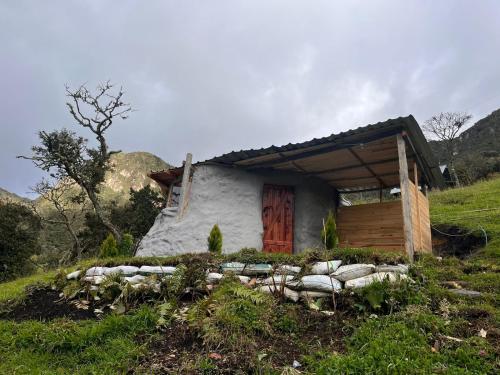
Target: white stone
(319, 283)
(235, 267)
(288, 293)
(369, 279)
(95, 271)
(214, 277)
(288, 269)
(309, 294)
(324, 268)
(277, 279)
(95, 280)
(73, 275)
(399, 268)
(243, 279)
(135, 279)
(353, 271)
(257, 269)
(122, 270)
(156, 270)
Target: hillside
(446, 320)
(11, 197)
(482, 139)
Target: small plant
(329, 236)
(126, 246)
(215, 240)
(108, 247)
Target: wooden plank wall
(377, 225)
(420, 220)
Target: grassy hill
(421, 328)
(11, 197)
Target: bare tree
(64, 155)
(446, 127)
(61, 195)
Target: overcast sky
(209, 77)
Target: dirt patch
(449, 240)
(179, 350)
(44, 303)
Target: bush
(215, 240)
(109, 247)
(329, 236)
(19, 230)
(126, 246)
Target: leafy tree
(126, 246)
(329, 232)
(19, 229)
(109, 247)
(215, 240)
(64, 155)
(144, 206)
(446, 127)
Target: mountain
(482, 139)
(7, 196)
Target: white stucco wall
(232, 198)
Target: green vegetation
(215, 240)
(19, 229)
(109, 346)
(15, 289)
(109, 247)
(329, 232)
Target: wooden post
(419, 231)
(185, 184)
(380, 195)
(405, 197)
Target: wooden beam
(332, 170)
(185, 184)
(419, 232)
(405, 197)
(367, 167)
(330, 148)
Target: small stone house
(275, 199)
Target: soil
(459, 242)
(179, 350)
(44, 303)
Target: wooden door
(277, 217)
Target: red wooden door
(277, 217)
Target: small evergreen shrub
(109, 247)
(215, 240)
(126, 246)
(329, 236)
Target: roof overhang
(362, 159)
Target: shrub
(108, 247)
(329, 236)
(126, 246)
(215, 240)
(19, 230)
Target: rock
(272, 289)
(325, 268)
(318, 283)
(73, 275)
(122, 270)
(95, 271)
(276, 280)
(137, 279)
(156, 270)
(399, 268)
(309, 294)
(466, 293)
(288, 270)
(353, 271)
(213, 277)
(369, 279)
(95, 280)
(243, 279)
(257, 269)
(235, 267)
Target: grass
(109, 346)
(15, 289)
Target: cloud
(212, 77)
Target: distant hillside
(8, 196)
(483, 139)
